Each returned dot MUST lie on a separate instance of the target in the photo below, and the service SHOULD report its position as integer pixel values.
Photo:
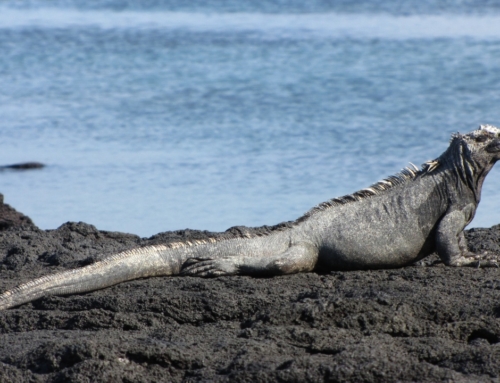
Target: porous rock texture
(426, 322)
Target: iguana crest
(406, 174)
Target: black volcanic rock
(10, 218)
(424, 323)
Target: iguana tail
(132, 264)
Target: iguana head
(483, 144)
(479, 149)
(472, 156)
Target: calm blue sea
(162, 115)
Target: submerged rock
(23, 166)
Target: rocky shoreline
(426, 322)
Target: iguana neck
(466, 169)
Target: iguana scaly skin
(393, 223)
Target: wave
(322, 24)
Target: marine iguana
(393, 223)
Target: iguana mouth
(494, 147)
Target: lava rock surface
(426, 322)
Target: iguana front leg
(452, 246)
(299, 257)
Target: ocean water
(165, 115)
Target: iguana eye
(481, 138)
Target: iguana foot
(209, 267)
(485, 259)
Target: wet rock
(23, 166)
